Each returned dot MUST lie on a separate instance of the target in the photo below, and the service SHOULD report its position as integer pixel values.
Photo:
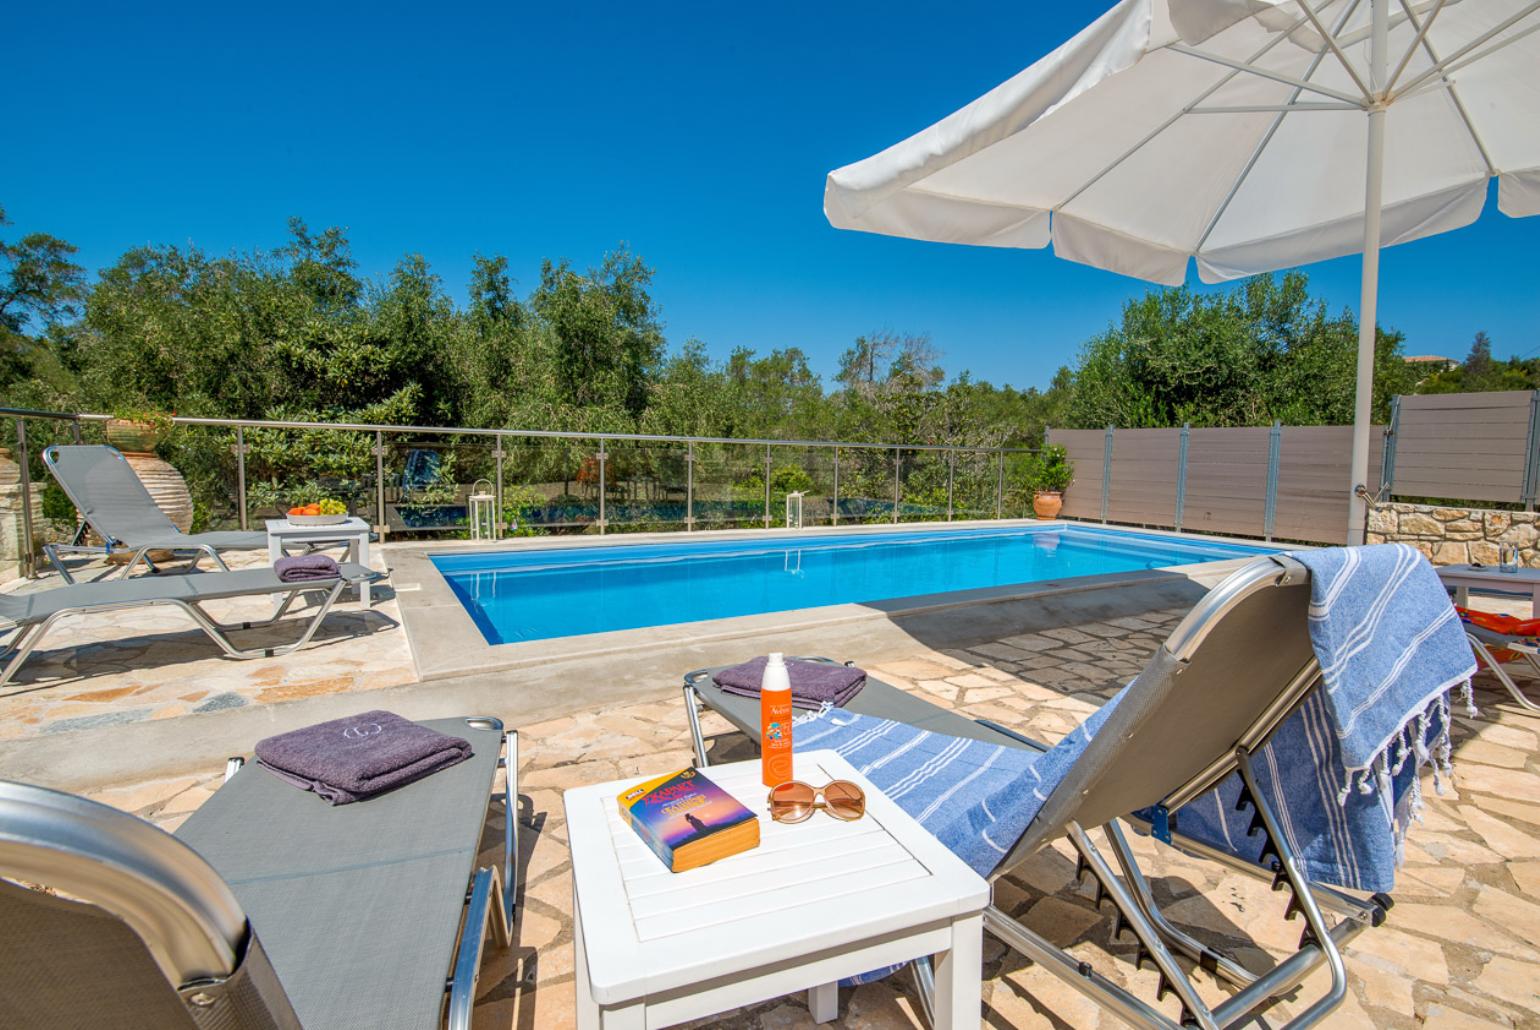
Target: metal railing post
(689, 487)
(1532, 453)
(1388, 457)
(603, 459)
(24, 460)
(498, 519)
(1181, 474)
(1270, 512)
(835, 514)
(898, 479)
(767, 486)
(379, 483)
(240, 474)
(1106, 472)
(1000, 485)
(951, 457)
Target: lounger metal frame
(186, 914)
(20, 647)
(1514, 644)
(1134, 903)
(109, 544)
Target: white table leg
(823, 1002)
(587, 1008)
(359, 551)
(1534, 602)
(959, 971)
(1462, 596)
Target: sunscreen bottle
(775, 723)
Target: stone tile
(1502, 837)
(1490, 753)
(1442, 1017)
(1512, 810)
(138, 796)
(1512, 981)
(91, 722)
(1507, 783)
(1382, 985)
(1527, 876)
(989, 693)
(220, 702)
(1513, 914)
(1446, 922)
(1032, 642)
(1413, 957)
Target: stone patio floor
(155, 663)
(1460, 949)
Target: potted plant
(1053, 474)
(137, 430)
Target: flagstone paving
(154, 663)
(1460, 949)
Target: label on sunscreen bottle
(775, 723)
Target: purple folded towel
(812, 683)
(355, 758)
(305, 567)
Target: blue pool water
(535, 595)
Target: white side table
(814, 903)
(355, 532)
(1465, 578)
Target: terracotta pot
(1046, 504)
(132, 437)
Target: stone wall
(1451, 536)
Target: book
(687, 820)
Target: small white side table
(1465, 578)
(814, 903)
(355, 532)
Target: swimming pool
(516, 596)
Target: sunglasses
(795, 802)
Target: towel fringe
(1411, 744)
(808, 715)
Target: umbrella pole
(1369, 297)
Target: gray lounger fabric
(358, 907)
(878, 699)
(112, 499)
(24, 609)
(67, 965)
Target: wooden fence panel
(1086, 449)
(1463, 446)
(1145, 463)
(1312, 492)
(1226, 481)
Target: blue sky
(698, 134)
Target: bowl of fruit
(318, 513)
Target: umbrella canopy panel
(1230, 131)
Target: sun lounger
(114, 503)
(33, 615)
(1174, 757)
(268, 909)
(1490, 635)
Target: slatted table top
(808, 887)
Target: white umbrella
(1251, 135)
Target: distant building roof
(1429, 359)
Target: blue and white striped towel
(978, 798)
